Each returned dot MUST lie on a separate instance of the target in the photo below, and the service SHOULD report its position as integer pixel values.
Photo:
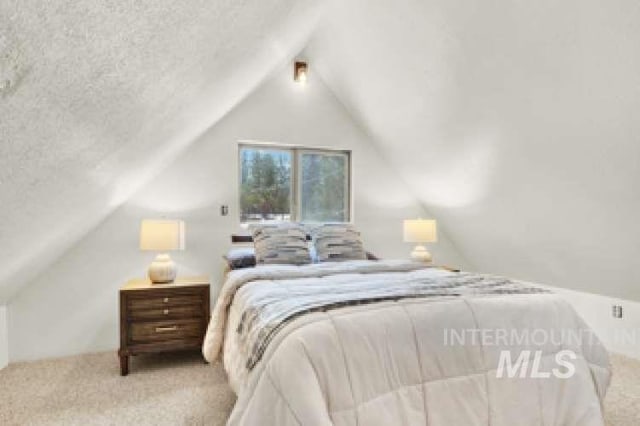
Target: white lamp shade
(161, 235)
(420, 231)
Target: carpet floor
(177, 389)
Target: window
(265, 184)
(323, 182)
(283, 183)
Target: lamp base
(420, 254)
(162, 269)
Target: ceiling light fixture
(300, 70)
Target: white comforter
(388, 363)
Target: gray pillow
(280, 244)
(337, 242)
(241, 257)
(245, 257)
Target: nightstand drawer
(169, 312)
(163, 301)
(154, 331)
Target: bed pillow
(241, 257)
(245, 257)
(336, 242)
(281, 244)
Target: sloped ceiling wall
(199, 180)
(97, 97)
(516, 122)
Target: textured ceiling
(97, 97)
(517, 123)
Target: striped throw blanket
(268, 312)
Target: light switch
(224, 210)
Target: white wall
(4, 338)
(619, 335)
(515, 122)
(72, 307)
(90, 115)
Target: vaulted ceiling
(97, 97)
(516, 123)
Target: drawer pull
(163, 329)
(166, 300)
(166, 312)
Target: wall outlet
(616, 311)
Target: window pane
(265, 184)
(324, 186)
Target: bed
(372, 343)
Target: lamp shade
(161, 235)
(420, 231)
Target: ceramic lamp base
(162, 269)
(420, 254)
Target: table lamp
(162, 236)
(420, 231)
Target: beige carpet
(176, 390)
(167, 389)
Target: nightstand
(162, 317)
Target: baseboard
(619, 335)
(4, 338)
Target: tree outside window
(282, 184)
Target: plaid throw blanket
(268, 312)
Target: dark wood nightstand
(162, 317)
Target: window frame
(296, 190)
